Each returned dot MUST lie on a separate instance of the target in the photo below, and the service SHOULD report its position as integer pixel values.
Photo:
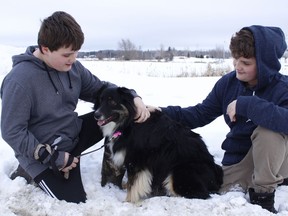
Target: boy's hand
(231, 111)
(142, 113)
(69, 159)
(153, 108)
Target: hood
(270, 46)
(27, 56)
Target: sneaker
(20, 172)
(265, 200)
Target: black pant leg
(70, 190)
(89, 135)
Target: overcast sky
(182, 24)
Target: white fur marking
(141, 187)
(168, 185)
(118, 158)
(108, 129)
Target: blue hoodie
(265, 105)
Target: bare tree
(128, 48)
(160, 53)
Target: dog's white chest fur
(118, 157)
(108, 129)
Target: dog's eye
(111, 102)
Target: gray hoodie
(38, 106)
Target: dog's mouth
(102, 122)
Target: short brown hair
(242, 44)
(60, 30)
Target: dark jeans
(72, 189)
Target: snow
(161, 89)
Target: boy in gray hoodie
(39, 98)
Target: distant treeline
(129, 51)
(153, 54)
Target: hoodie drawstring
(253, 94)
(47, 70)
(70, 83)
(51, 80)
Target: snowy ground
(18, 198)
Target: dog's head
(114, 109)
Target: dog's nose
(97, 115)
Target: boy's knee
(264, 135)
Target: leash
(83, 154)
(115, 136)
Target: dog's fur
(161, 156)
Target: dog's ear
(127, 93)
(97, 95)
(128, 97)
(124, 90)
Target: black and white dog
(161, 156)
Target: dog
(161, 156)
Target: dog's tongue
(101, 122)
(105, 121)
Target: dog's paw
(124, 185)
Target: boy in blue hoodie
(253, 100)
(39, 98)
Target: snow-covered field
(158, 85)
